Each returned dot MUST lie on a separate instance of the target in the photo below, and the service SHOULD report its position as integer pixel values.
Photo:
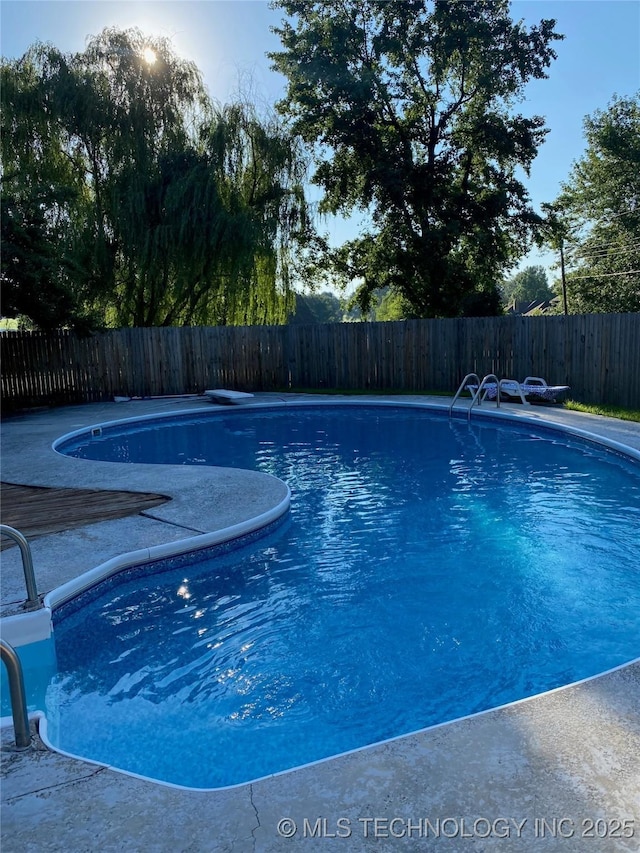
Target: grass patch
(605, 411)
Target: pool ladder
(8, 653)
(32, 601)
(18, 695)
(478, 396)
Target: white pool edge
(24, 628)
(41, 719)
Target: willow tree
(409, 105)
(43, 206)
(183, 214)
(209, 231)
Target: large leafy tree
(37, 269)
(162, 209)
(600, 210)
(409, 104)
(528, 285)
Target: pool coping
(615, 434)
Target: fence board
(598, 355)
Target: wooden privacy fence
(598, 355)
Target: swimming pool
(429, 570)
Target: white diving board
(221, 395)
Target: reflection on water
(430, 570)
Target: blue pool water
(429, 569)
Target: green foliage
(600, 211)
(317, 308)
(31, 259)
(392, 306)
(528, 285)
(162, 210)
(385, 305)
(408, 104)
(42, 279)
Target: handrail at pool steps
(479, 390)
(32, 601)
(463, 385)
(18, 695)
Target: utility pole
(564, 280)
(556, 229)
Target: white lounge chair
(534, 389)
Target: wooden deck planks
(36, 511)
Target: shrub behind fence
(598, 355)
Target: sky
(228, 40)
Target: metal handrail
(27, 564)
(489, 379)
(477, 397)
(463, 385)
(18, 695)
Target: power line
(607, 243)
(618, 215)
(603, 253)
(604, 275)
(607, 219)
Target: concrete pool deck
(559, 771)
